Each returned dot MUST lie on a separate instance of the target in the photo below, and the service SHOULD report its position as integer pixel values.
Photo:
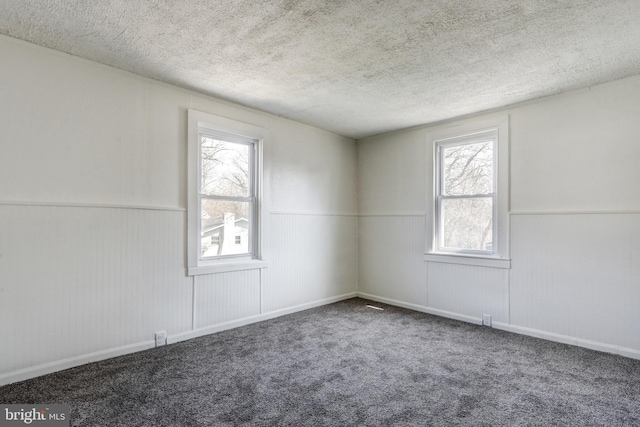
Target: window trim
(455, 134)
(197, 120)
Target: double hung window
(470, 198)
(226, 195)
(465, 194)
(224, 215)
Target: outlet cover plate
(161, 338)
(486, 320)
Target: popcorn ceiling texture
(356, 68)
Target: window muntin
(227, 195)
(465, 199)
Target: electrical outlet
(161, 338)
(486, 319)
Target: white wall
(575, 223)
(92, 216)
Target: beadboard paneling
(78, 280)
(392, 267)
(468, 290)
(225, 297)
(312, 257)
(577, 275)
(391, 257)
(82, 279)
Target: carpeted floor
(349, 365)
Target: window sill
(225, 267)
(479, 261)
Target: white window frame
(440, 145)
(466, 133)
(200, 123)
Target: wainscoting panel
(225, 297)
(578, 275)
(80, 280)
(312, 257)
(391, 257)
(468, 290)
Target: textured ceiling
(354, 67)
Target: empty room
(320, 213)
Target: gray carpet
(349, 365)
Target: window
(470, 195)
(225, 198)
(465, 194)
(226, 194)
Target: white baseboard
(72, 362)
(566, 339)
(550, 336)
(253, 319)
(423, 309)
(47, 368)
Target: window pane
(467, 224)
(225, 168)
(224, 228)
(468, 169)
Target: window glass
(467, 224)
(225, 168)
(222, 223)
(468, 168)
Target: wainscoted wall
(92, 216)
(575, 277)
(468, 290)
(226, 297)
(393, 270)
(574, 223)
(578, 275)
(82, 283)
(391, 262)
(80, 280)
(314, 257)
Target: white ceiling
(354, 67)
